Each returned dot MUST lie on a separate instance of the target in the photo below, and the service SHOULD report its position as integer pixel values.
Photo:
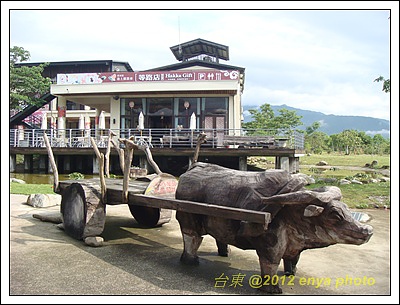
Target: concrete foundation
(28, 163)
(13, 163)
(67, 164)
(243, 163)
(95, 165)
(43, 162)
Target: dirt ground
(134, 262)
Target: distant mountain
(333, 124)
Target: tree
(349, 139)
(316, 142)
(386, 83)
(313, 127)
(265, 122)
(380, 144)
(27, 85)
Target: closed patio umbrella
(141, 121)
(102, 121)
(81, 122)
(87, 125)
(193, 121)
(44, 121)
(192, 126)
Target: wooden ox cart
(151, 199)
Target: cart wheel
(145, 216)
(83, 212)
(164, 185)
(73, 210)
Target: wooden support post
(107, 155)
(119, 150)
(52, 161)
(100, 156)
(149, 156)
(202, 138)
(128, 156)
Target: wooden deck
(166, 151)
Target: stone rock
(322, 163)
(43, 200)
(354, 181)
(94, 241)
(344, 181)
(328, 180)
(17, 180)
(385, 172)
(306, 178)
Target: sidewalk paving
(135, 261)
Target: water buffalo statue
(300, 219)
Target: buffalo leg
(223, 249)
(269, 268)
(191, 244)
(290, 265)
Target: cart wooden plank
(136, 196)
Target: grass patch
(28, 189)
(346, 160)
(362, 196)
(369, 195)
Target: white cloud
(315, 60)
(383, 132)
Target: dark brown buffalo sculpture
(300, 219)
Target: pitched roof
(197, 62)
(198, 47)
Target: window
(184, 107)
(160, 112)
(215, 106)
(130, 110)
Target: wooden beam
(52, 162)
(201, 208)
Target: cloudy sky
(321, 60)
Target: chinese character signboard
(156, 76)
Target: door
(217, 123)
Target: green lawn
(362, 195)
(345, 160)
(27, 189)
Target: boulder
(308, 179)
(17, 180)
(43, 200)
(94, 241)
(344, 181)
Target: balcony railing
(160, 138)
